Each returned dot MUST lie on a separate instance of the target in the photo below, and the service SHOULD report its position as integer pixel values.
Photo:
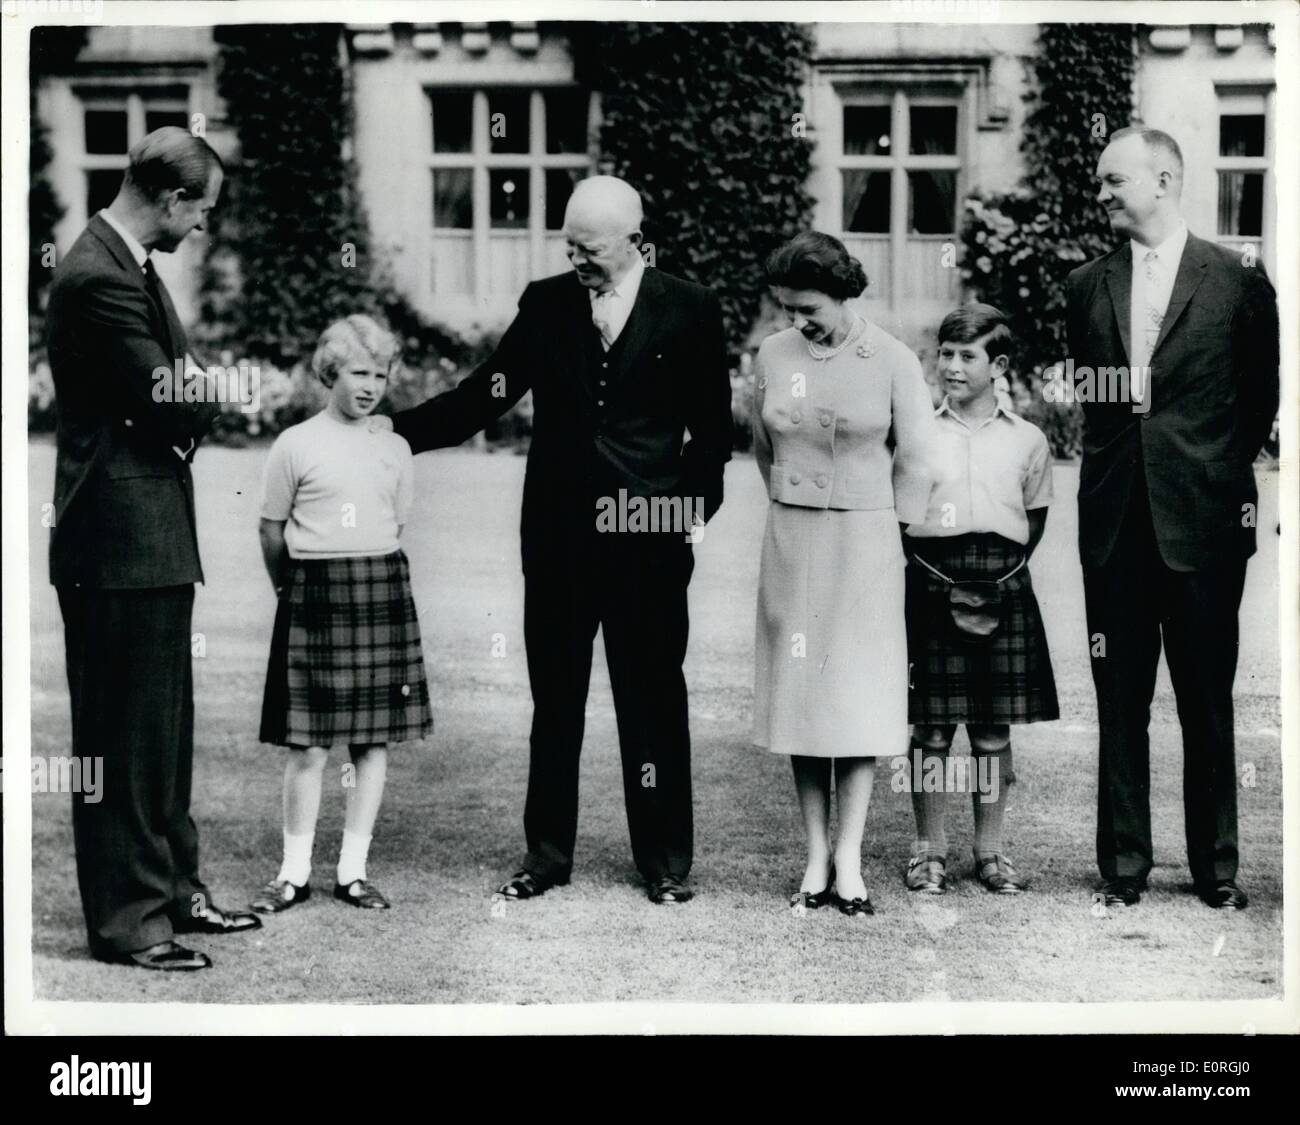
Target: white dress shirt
(610, 310)
(1154, 270)
(138, 252)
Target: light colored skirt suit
(831, 644)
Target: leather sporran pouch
(975, 608)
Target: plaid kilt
(346, 662)
(1003, 679)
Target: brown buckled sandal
(998, 875)
(928, 874)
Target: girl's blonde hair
(348, 338)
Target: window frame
(481, 161)
(901, 91)
(1256, 100)
(136, 101)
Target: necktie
(1149, 331)
(600, 317)
(153, 284)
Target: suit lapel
(168, 325)
(640, 326)
(1119, 280)
(1191, 269)
(576, 310)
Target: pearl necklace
(817, 351)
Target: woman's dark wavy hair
(814, 260)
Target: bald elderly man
(622, 360)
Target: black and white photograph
(648, 518)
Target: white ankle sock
(352, 857)
(297, 859)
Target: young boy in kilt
(984, 662)
(346, 663)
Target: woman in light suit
(843, 423)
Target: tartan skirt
(1003, 679)
(346, 662)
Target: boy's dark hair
(974, 322)
(813, 260)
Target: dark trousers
(634, 587)
(129, 676)
(1133, 602)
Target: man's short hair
(171, 158)
(975, 322)
(1157, 140)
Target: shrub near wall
(1019, 247)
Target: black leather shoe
(814, 900)
(214, 920)
(669, 890)
(811, 900)
(1223, 895)
(852, 906)
(524, 884)
(1126, 890)
(166, 957)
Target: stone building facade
(468, 139)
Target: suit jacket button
(822, 480)
(826, 419)
(795, 478)
(600, 402)
(129, 422)
(796, 417)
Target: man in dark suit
(621, 360)
(1167, 501)
(124, 557)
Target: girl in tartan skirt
(976, 645)
(346, 663)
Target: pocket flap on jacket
(126, 464)
(1232, 469)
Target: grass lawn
(451, 825)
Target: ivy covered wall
(290, 245)
(701, 118)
